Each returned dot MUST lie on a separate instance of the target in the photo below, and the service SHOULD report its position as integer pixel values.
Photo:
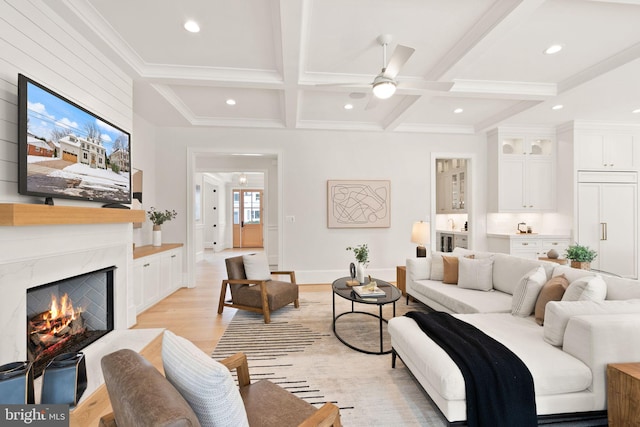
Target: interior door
(247, 219)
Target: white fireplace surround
(35, 255)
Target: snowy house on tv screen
(38, 147)
(80, 150)
(121, 158)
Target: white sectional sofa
(567, 356)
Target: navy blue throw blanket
(498, 385)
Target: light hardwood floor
(189, 312)
(193, 312)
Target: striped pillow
(205, 384)
(526, 292)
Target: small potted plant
(362, 256)
(158, 218)
(580, 256)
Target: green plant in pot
(580, 256)
(362, 256)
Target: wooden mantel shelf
(14, 214)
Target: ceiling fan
(384, 84)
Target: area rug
(299, 351)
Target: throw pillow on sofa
(475, 273)
(526, 292)
(553, 290)
(205, 384)
(450, 275)
(586, 289)
(256, 266)
(450, 264)
(437, 266)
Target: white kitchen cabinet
(531, 246)
(522, 171)
(607, 220)
(157, 273)
(451, 186)
(606, 151)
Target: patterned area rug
(299, 351)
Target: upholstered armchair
(253, 289)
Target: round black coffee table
(341, 289)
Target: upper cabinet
(522, 170)
(606, 151)
(451, 186)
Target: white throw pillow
(475, 273)
(437, 266)
(558, 313)
(526, 292)
(256, 266)
(205, 384)
(586, 289)
(418, 268)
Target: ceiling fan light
(384, 89)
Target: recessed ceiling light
(557, 107)
(554, 48)
(348, 106)
(636, 111)
(192, 26)
(231, 101)
(458, 110)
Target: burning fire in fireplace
(52, 329)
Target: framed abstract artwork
(358, 204)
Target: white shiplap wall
(35, 42)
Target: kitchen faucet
(451, 223)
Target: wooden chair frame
(327, 416)
(266, 312)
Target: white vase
(157, 236)
(360, 274)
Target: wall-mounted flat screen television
(66, 151)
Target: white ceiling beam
(398, 114)
(493, 24)
(617, 60)
(494, 120)
(290, 21)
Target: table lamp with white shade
(420, 234)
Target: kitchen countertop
(527, 235)
(459, 232)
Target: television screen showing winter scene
(69, 152)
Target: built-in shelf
(14, 214)
(142, 251)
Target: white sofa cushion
(586, 289)
(526, 292)
(467, 252)
(572, 274)
(619, 288)
(558, 313)
(508, 269)
(475, 273)
(455, 299)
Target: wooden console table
(623, 394)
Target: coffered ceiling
(282, 61)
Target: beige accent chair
(140, 395)
(260, 296)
